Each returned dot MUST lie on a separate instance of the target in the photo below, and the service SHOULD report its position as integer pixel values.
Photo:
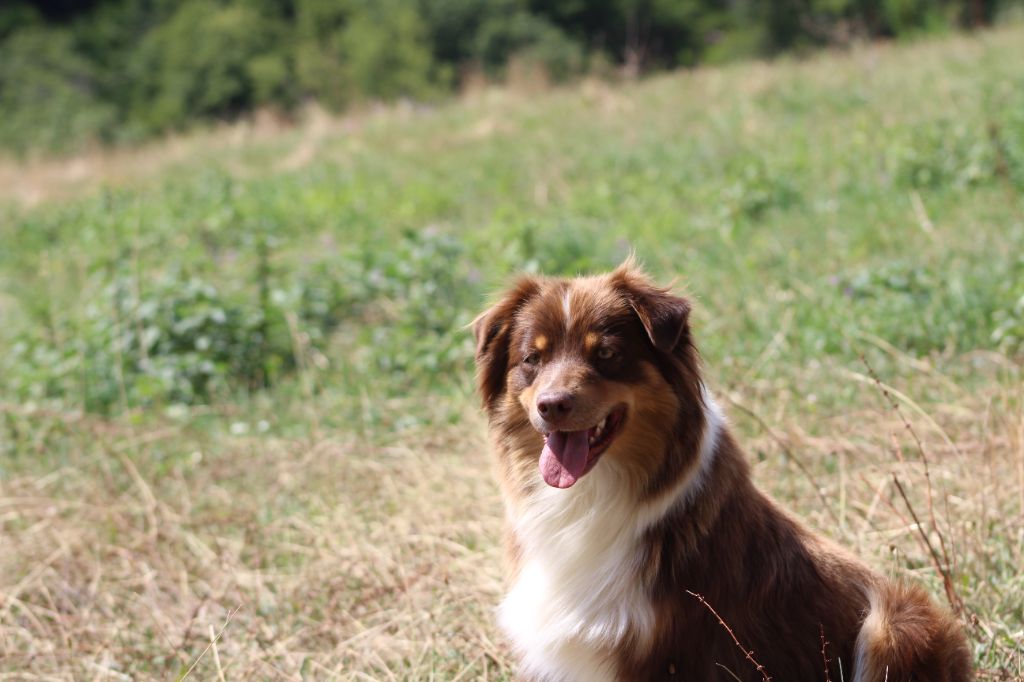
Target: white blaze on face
(567, 308)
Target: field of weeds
(238, 438)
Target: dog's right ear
(492, 329)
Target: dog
(633, 524)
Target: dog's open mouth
(568, 455)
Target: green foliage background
(814, 205)
(121, 70)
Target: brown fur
(776, 583)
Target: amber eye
(532, 358)
(605, 353)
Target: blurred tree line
(116, 71)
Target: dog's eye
(606, 353)
(532, 358)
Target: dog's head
(573, 371)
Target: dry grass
(258, 558)
(925, 480)
(329, 558)
(34, 181)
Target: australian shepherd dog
(631, 513)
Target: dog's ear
(664, 316)
(492, 329)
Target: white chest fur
(579, 592)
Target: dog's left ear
(492, 329)
(664, 316)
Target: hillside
(237, 429)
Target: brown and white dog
(626, 495)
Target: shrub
(183, 340)
(906, 17)
(531, 39)
(353, 51)
(384, 52)
(924, 309)
(1008, 334)
(48, 93)
(206, 61)
(756, 188)
(941, 155)
(408, 309)
(399, 314)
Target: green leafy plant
(182, 340)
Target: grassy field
(238, 438)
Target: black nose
(555, 406)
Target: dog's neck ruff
(687, 488)
(579, 592)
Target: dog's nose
(555, 406)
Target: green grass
(241, 379)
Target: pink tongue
(564, 457)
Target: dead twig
(824, 655)
(825, 503)
(213, 643)
(944, 566)
(947, 582)
(749, 654)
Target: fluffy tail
(905, 637)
